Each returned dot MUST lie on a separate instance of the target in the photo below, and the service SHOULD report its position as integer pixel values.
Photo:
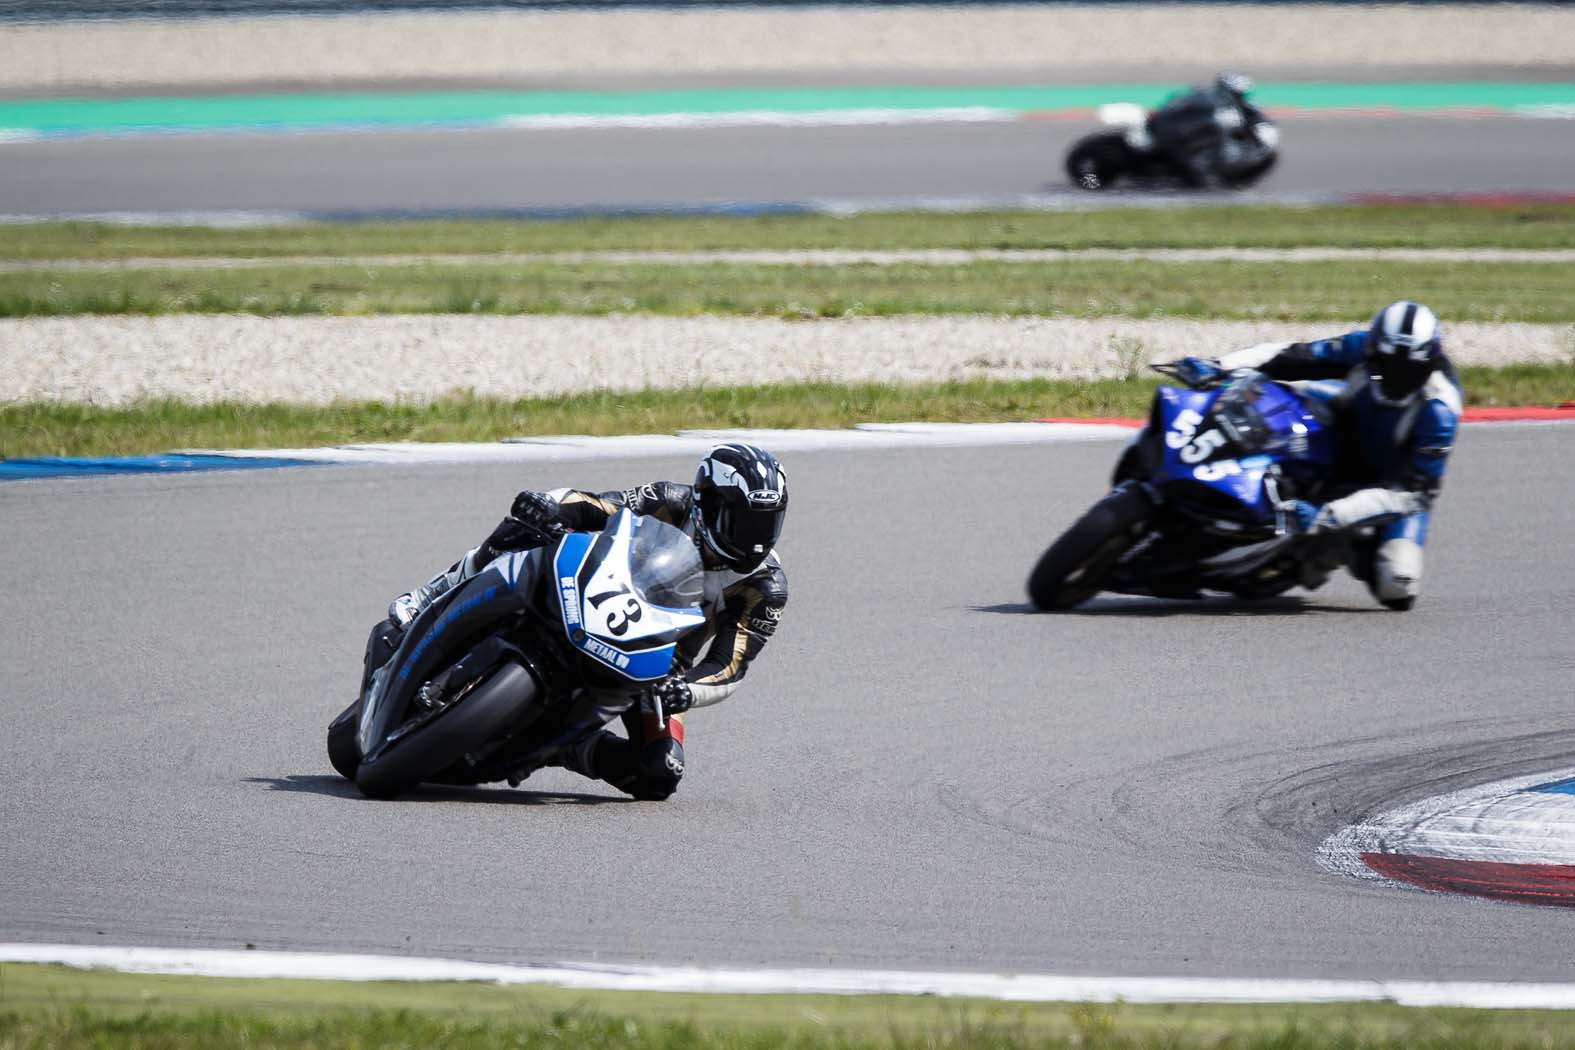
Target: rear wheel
(1097, 161)
(481, 715)
(1074, 568)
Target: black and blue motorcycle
(1202, 498)
(535, 652)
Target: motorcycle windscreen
(629, 593)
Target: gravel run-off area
(580, 43)
(205, 358)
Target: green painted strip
(97, 116)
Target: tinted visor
(1398, 376)
(750, 533)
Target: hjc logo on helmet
(765, 497)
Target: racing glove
(674, 694)
(1198, 372)
(532, 522)
(536, 509)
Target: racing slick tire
(1095, 162)
(1075, 566)
(343, 752)
(478, 717)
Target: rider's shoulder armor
(768, 579)
(765, 594)
(1439, 417)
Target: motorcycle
(1202, 499)
(1224, 148)
(535, 652)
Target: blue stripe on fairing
(1558, 787)
(170, 463)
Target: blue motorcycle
(535, 652)
(1201, 500)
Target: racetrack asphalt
(917, 774)
(674, 167)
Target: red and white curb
(595, 976)
(1511, 840)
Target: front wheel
(1074, 568)
(472, 721)
(1095, 162)
(344, 754)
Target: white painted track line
(1004, 987)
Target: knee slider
(1397, 571)
(661, 767)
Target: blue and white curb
(567, 448)
(865, 436)
(168, 463)
(594, 976)
(1511, 840)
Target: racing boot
(648, 769)
(403, 610)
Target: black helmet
(1405, 345)
(740, 500)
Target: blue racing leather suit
(1390, 459)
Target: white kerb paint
(591, 976)
(1502, 822)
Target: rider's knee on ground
(660, 768)
(1397, 573)
(649, 772)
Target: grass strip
(1283, 291)
(58, 1008)
(1441, 225)
(48, 429)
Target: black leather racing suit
(1188, 130)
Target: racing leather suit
(1211, 135)
(1389, 462)
(742, 613)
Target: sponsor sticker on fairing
(606, 652)
(571, 600)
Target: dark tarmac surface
(917, 774)
(612, 168)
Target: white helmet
(1404, 346)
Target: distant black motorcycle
(1196, 141)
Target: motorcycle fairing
(454, 621)
(1195, 450)
(605, 614)
(1228, 452)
